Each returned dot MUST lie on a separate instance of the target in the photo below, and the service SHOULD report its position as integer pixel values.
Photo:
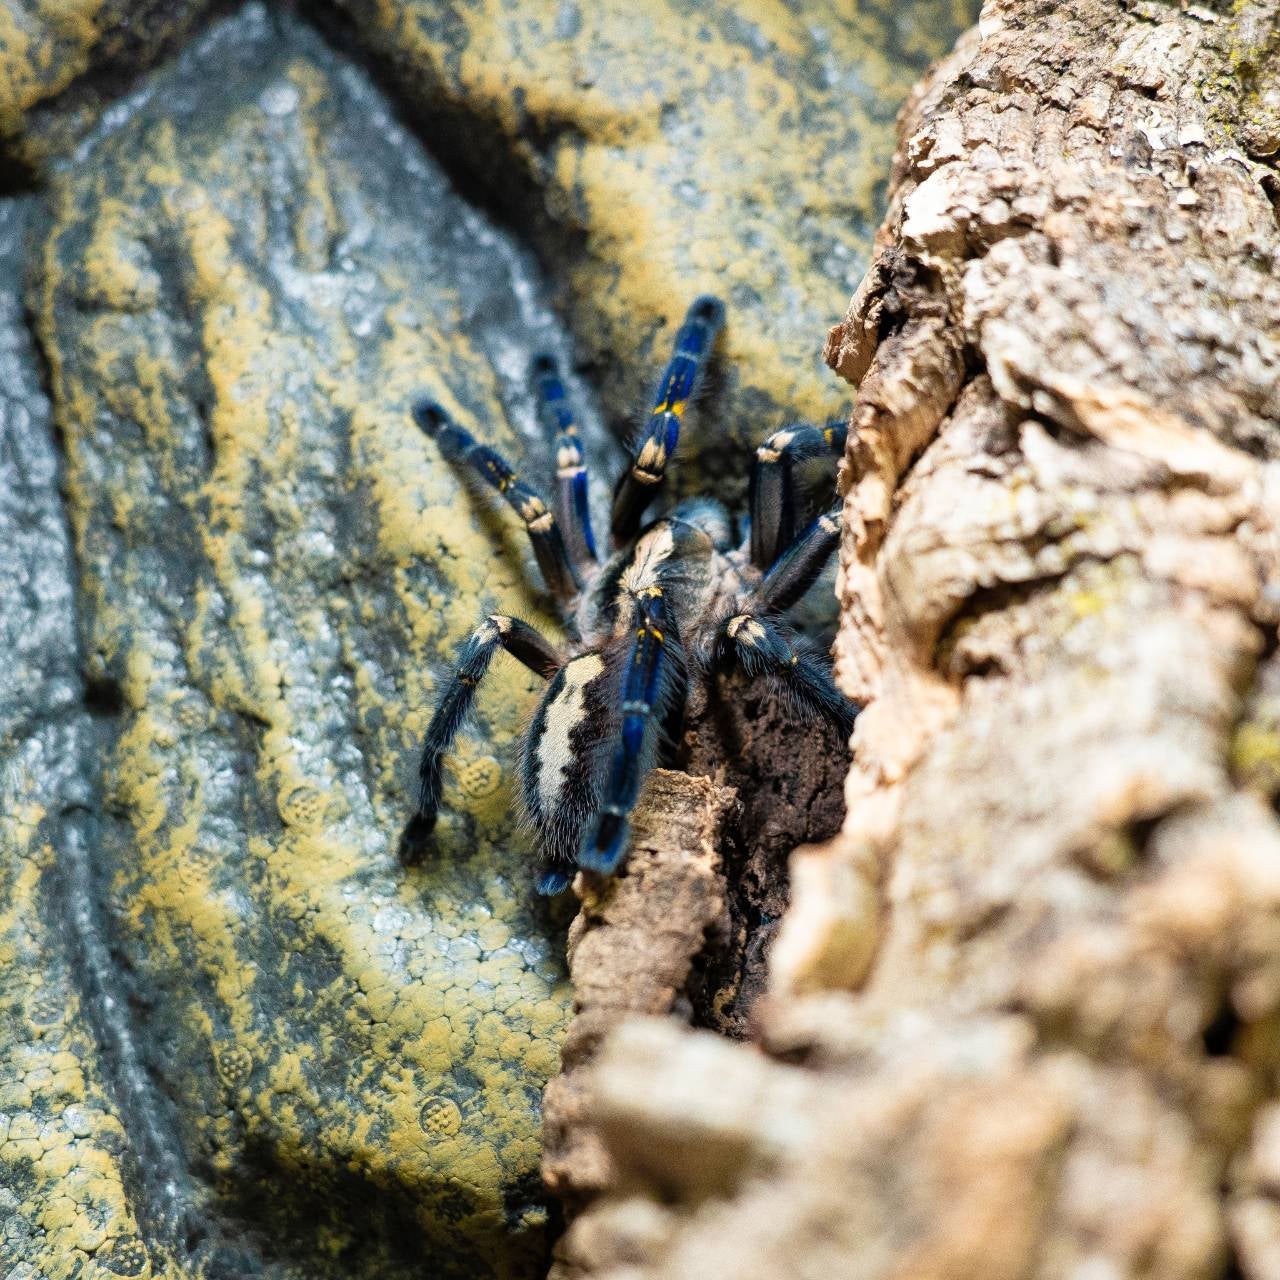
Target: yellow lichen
(327, 1008)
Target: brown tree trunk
(1024, 1012)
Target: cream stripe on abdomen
(555, 752)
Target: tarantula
(677, 598)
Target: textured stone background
(234, 1036)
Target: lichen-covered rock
(662, 149)
(239, 296)
(62, 61)
(64, 1202)
(290, 1056)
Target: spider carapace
(678, 600)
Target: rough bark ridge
(1031, 995)
(631, 951)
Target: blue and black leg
(762, 646)
(457, 695)
(644, 476)
(459, 445)
(653, 697)
(777, 495)
(572, 495)
(799, 566)
(755, 641)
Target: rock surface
(63, 1192)
(63, 61)
(238, 1039)
(237, 302)
(661, 149)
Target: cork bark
(631, 951)
(1023, 1016)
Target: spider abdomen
(561, 765)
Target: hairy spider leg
(556, 415)
(552, 880)
(762, 646)
(774, 500)
(800, 565)
(457, 694)
(652, 697)
(459, 445)
(641, 481)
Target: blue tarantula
(677, 598)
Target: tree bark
(1024, 1012)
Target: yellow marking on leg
(674, 407)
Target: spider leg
(644, 477)
(761, 646)
(774, 502)
(454, 702)
(556, 415)
(459, 445)
(799, 566)
(652, 702)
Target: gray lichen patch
(242, 291)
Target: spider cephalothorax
(677, 600)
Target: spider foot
(415, 839)
(553, 880)
(604, 851)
